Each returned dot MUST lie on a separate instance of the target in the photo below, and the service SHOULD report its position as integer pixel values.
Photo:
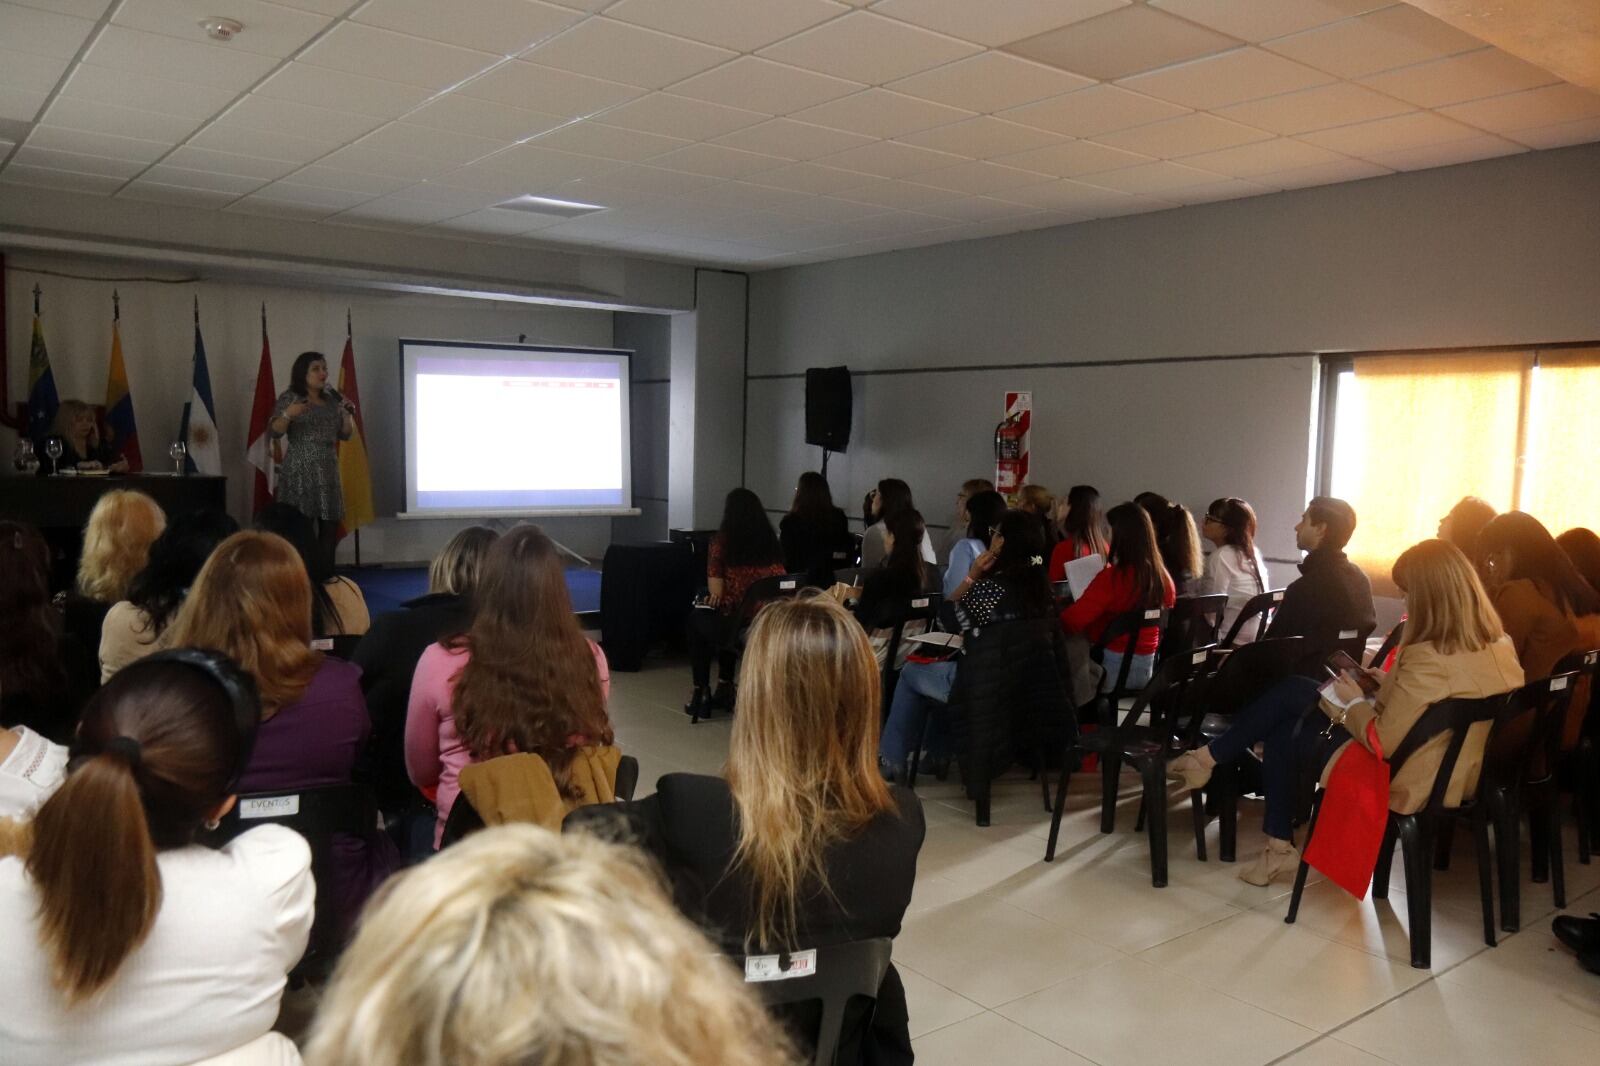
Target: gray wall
(650, 338)
(707, 404)
(1497, 252)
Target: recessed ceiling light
(549, 205)
(221, 29)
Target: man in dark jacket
(1332, 596)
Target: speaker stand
(825, 454)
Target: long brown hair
(30, 660)
(1133, 544)
(252, 602)
(156, 754)
(803, 757)
(531, 683)
(116, 543)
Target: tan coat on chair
(520, 788)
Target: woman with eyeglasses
(1235, 569)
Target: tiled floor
(1007, 959)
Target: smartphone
(1340, 663)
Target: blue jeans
(1138, 674)
(1286, 721)
(924, 689)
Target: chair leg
(1480, 838)
(983, 807)
(916, 753)
(1226, 796)
(1197, 804)
(1508, 857)
(1416, 853)
(1558, 873)
(1305, 867)
(1144, 809)
(1385, 864)
(1154, 772)
(1060, 808)
(1443, 845)
(1110, 778)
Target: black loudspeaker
(828, 407)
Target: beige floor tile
(991, 952)
(1288, 971)
(989, 1038)
(1532, 973)
(1381, 926)
(1129, 1013)
(1331, 1052)
(1438, 1022)
(933, 1006)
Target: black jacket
(1331, 595)
(808, 546)
(388, 655)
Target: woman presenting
(315, 418)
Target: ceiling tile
(208, 64)
(101, 144)
(370, 52)
(530, 165)
(881, 113)
(718, 161)
(494, 220)
(633, 55)
(293, 192)
(1184, 135)
(995, 22)
(20, 105)
(483, 118)
(98, 184)
(903, 195)
(1067, 195)
(118, 121)
(792, 140)
(241, 140)
(982, 137)
(298, 120)
(1097, 109)
(215, 162)
(656, 181)
(979, 209)
(45, 33)
(402, 209)
(1126, 41)
(1153, 179)
(1382, 40)
(814, 177)
(1581, 131)
(320, 86)
(1263, 157)
(1528, 109)
(76, 162)
(607, 142)
(501, 27)
(390, 164)
(270, 29)
(1261, 20)
(555, 92)
(84, 9)
(157, 193)
(1339, 104)
(744, 194)
(680, 116)
(324, 7)
(1229, 78)
(868, 48)
(991, 81)
(27, 70)
(1470, 76)
(446, 146)
(743, 25)
(279, 209)
(1073, 158)
(1483, 146)
(1415, 130)
(124, 88)
(1324, 174)
(978, 178)
(327, 178)
(890, 159)
(762, 85)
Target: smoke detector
(221, 29)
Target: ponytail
(94, 863)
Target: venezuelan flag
(119, 404)
(42, 398)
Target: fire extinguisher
(1008, 438)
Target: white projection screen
(515, 429)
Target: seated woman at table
(78, 430)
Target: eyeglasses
(1212, 518)
(993, 530)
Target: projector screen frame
(407, 430)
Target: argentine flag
(199, 429)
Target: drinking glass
(176, 451)
(52, 448)
(25, 459)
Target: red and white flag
(261, 451)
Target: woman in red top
(1081, 529)
(1135, 579)
(744, 551)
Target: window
(1409, 435)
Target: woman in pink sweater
(521, 679)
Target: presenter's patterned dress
(308, 480)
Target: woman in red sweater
(1135, 579)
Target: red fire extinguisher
(1009, 456)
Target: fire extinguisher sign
(1011, 446)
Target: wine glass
(52, 448)
(25, 459)
(176, 452)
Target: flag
(42, 399)
(199, 429)
(119, 401)
(259, 450)
(355, 476)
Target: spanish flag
(355, 477)
(119, 401)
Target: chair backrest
(1192, 622)
(342, 646)
(1257, 609)
(1062, 591)
(765, 590)
(627, 778)
(1389, 644)
(833, 975)
(1165, 697)
(1130, 625)
(923, 607)
(1455, 718)
(1243, 673)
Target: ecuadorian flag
(119, 404)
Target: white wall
(707, 403)
(649, 337)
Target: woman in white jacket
(1235, 568)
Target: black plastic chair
(1062, 591)
(1415, 832)
(342, 646)
(1146, 737)
(1257, 609)
(1193, 622)
(837, 974)
(1128, 625)
(925, 609)
(1581, 765)
(1541, 784)
(1389, 644)
(758, 595)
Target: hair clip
(1035, 560)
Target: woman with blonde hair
(252, 602)
(116, 547)
(801, 844)
(1454, 645)
(517, 946)
(77, 427)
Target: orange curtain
(1417, 433)
(1559, 486)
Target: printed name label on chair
(1153, 614)
(269, 807)
(919, 602)
(1348, 634)
(758, 968)
(1198, 657)
(1557, 684)
(322, 644)
(789, 584)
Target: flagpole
(356, 534)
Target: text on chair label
(759, 968)
(269, 807)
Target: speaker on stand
(828, 410)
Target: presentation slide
(497, 429)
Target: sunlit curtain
(1560, 474)
(1417, 433)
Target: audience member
(1007, 581)
(744, 551)
(252, 602)
(1454, 645)
(813, 530)
(803, 845)
(1463, 522)
(984, 511)
(1583, 548)
(116, 546)
(133, 627)
(388, 656)
(1037, 501)
(1133, 580)
(337, 606)
(522, 678)
(1082, 530)
(963, 518)
(45, 673)
(878, 601)
(1235, 569)
(125, 941)
(891, 495)
(1153, 503)
(1179, 542)
(77, 427)
(31, 769)
(1332, 595)
(519, 947)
